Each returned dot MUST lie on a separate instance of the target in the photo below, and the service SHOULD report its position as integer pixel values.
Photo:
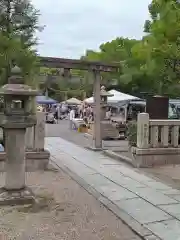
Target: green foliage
(18, 25)
(132, 133)
(151, 64)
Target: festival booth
(73, 101)
(117, 102)
(43, 100)
(117, 98)
(77, 122)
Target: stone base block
(155, 156)
(34, 160)
(16, 197)
(37, 160)
(94, 149)
(115, 145)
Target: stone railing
(157, 142)
(157, 133)
(37, 157)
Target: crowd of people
(84, 112)
(64, 111)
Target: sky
(73, 26)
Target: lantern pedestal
(15, 191)
(108, 131)
(15, 161)
(16, 197)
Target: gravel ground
(65, 212)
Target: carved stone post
(143, 130)
(97, 111)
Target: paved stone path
(149, 207)
(62, 130)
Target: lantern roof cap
(16, 85)
(16, 70)
(18, 89)
(16, 76)
(104, 93)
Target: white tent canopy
(74, 101)
(117, 97)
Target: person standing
(71, 117)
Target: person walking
(71, 117)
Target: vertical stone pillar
(97, 111)
(39, 132)
(65, 96)
(125, 113)
(66, 76)
(15, 162)
(29, 138)
(84, 95)
(103, 113)
(143, 130)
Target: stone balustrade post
(39, 132)
(29, 138)
(175, 136)
(143, 130)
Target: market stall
(45, 100)
(73, 101)
(118, 97)
(117, 105)
(43, 104)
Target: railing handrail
(152, 133)
(165, 122)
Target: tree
(119, 51)
(151, 64)
(18, 25)
(19, 19)
(161, 46)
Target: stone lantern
(108, 131)
(18, 115)
(104, 98)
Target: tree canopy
(151, 64)
(18, 25)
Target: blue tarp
(1, 148)
(45, 100)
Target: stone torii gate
(96, 68)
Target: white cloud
(72, 26)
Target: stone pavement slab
(177, 197)
(116, 193)
(159, 186)
(142, 211)
(154, 197)
(168, 230)
(148, 202)
(173, 210)
(170, 191)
